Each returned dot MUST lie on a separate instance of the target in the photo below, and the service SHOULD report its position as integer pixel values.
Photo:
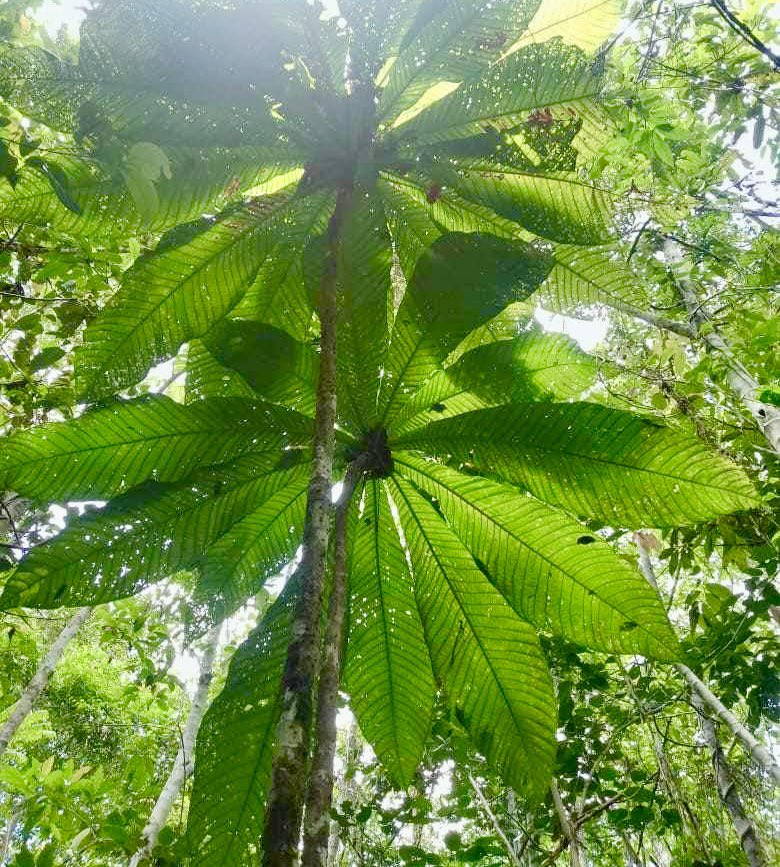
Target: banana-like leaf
(551, 569)
(559, 206)
(461, 282)
(236, 743)
(108, 451)
(258, 545)
(584, 23)
(495, 676)
(280, 294)
(155, 530)
(387, 670)
(585, 276)
(593, 461)
(206, 377)
(201, 180)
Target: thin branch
(741, 29)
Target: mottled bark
(40, 679)
(569, 828)
(757, 750)
(183, 765)
(727, 789)
(319, 794)
(290, 764)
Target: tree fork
(290, 764)
(320, 790)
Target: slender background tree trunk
(41, 678)
(183, 765)
(727, 789)
(757, 750)
(290, 763)
(568, 827)
(320, 790)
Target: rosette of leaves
(479, 462)
(420, 159)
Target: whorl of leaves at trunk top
(467, 534)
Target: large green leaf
(495, 676)
(547, 76)
(235, 745)
(594, 462)
(156, 70)
(206, 377)
(196, 275)
(387, 670)
(365, 309)
(583, 276)
(462, 281)
(259, 544)
(560, 206)
(454, 40)
(155, 530)
(553, 571)
(584, 23)
(280, 294)
(278, 368)
(108, 451)
(531, 366)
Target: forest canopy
(390, 405)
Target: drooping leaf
(108, 451)
(531, 366)
(235, 745)
(155, 530)
(180, 291)
(365, 309)
(553, 571)
(593, 461)
(258, 545)
(387, 670)
(462, 281)
(495, 676)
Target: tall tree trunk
(41, 677)
(568, 827)
(319, 794)
(727, 789)
(757, 750)
(290, 764)
(183, 765)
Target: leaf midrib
(399, 460)
(475, 633)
